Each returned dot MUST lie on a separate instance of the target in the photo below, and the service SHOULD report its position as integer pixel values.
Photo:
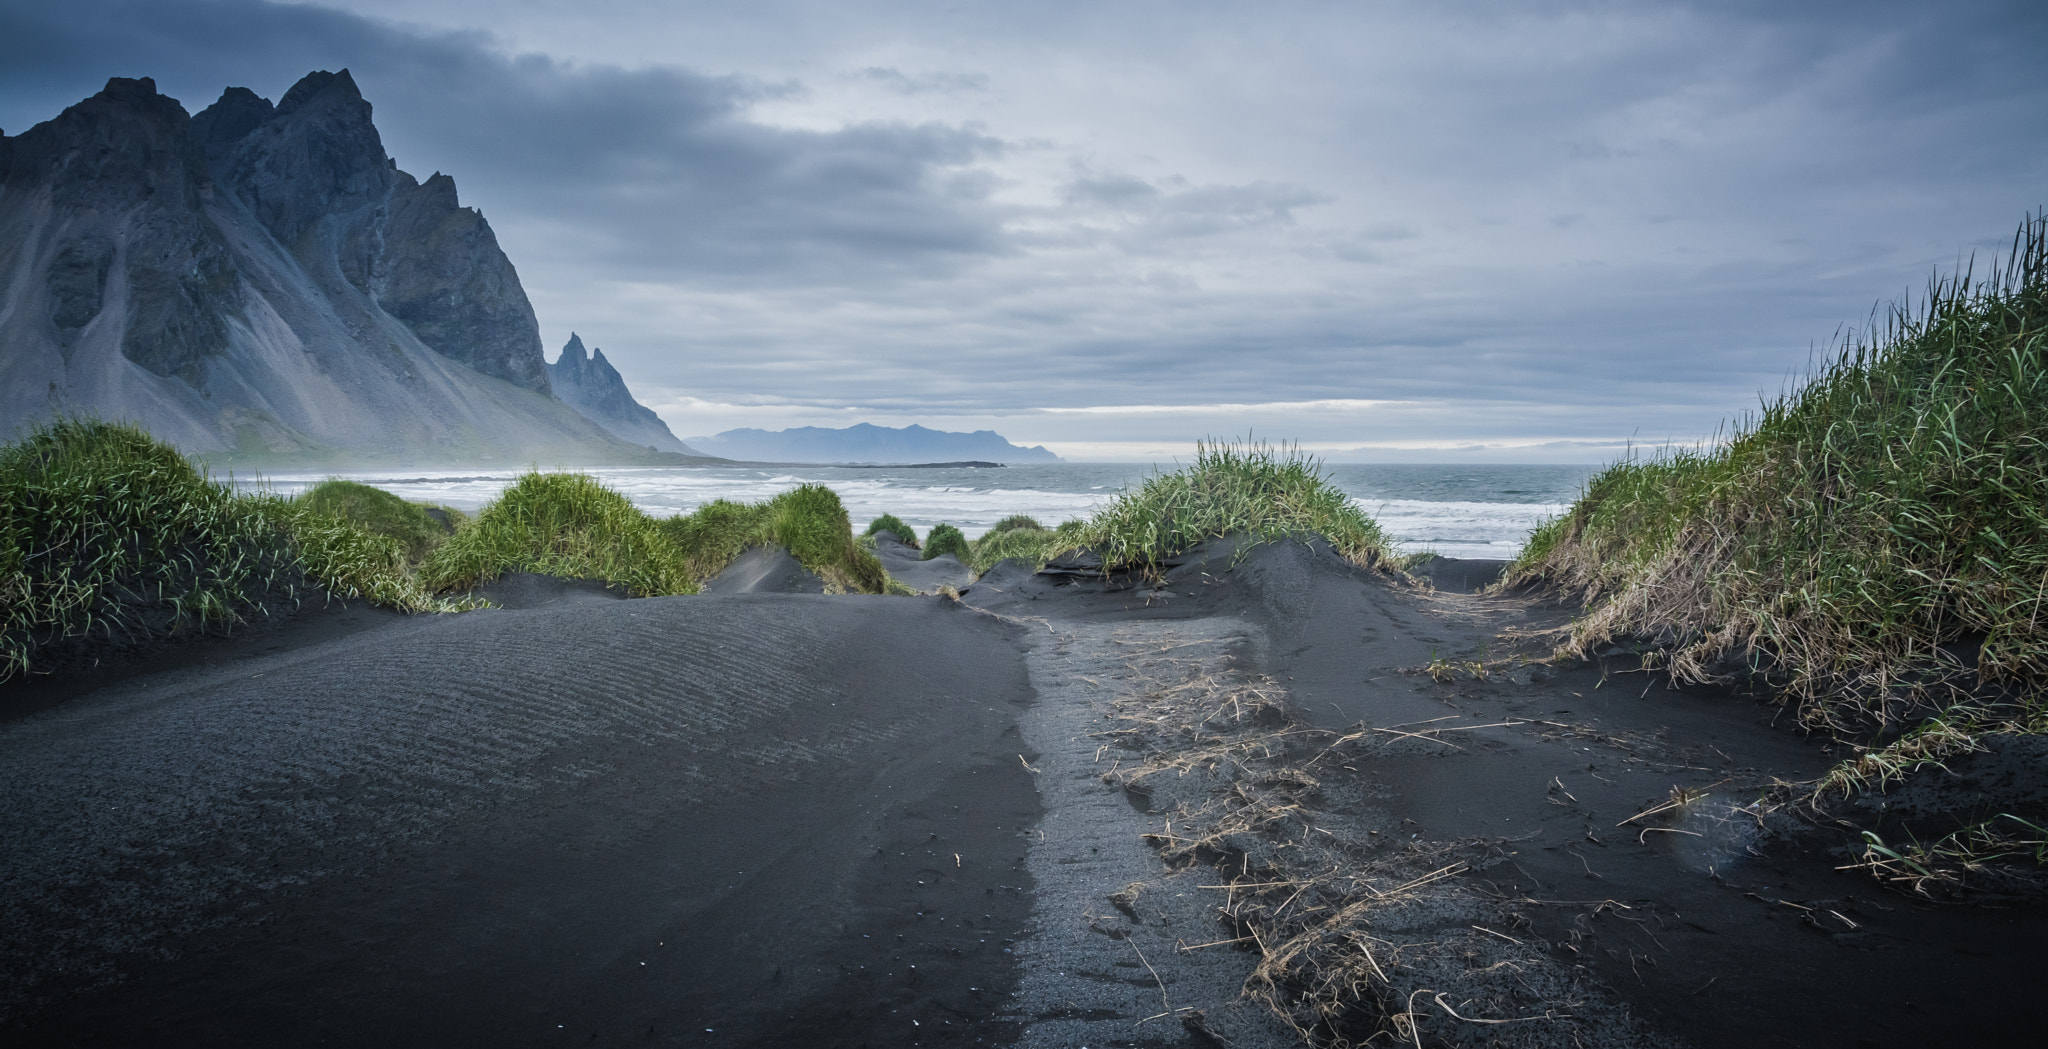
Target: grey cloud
(1112, 191)
(669, 175)
(1182, 211)
(658, 171)
(925, 83)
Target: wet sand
(768, 818)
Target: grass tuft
(1025, 541)
(1251, 489)
(892, 524)
(562, 524)
(809, 520)
(1878, 537)
(1013, 522)
(110, 540)
(946, 539)
(379, 512)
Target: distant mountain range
(262, 282)
(867, 443)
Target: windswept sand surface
(687, 819)
(1058, 813)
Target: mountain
(261, 282)
(592, 386)
(867, 443)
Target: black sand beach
(1061, 811)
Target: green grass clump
(111, 539)
(1030, 543)
(809, 520)
(946, 539)
(1013, 522)
(1895, 504)
(570, 525)
(379, 512)
(1250, 490)
(716, 533)
(351, 562)
(891, 523)
(562, 524)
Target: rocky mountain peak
(446, 278)
(262, 273)
(336, 90)
(137, 90)
(592, 386)
(438, 191)
(237, 112)
(316, 165)
(125, 171)
(121, 146)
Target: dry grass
(1877, 540)
(1946, 867)
(1328, 906)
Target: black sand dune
(624, 821)
(906, 565)
(765, 570)
(789, 819)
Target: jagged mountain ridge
(261, 281)
(868, 443)
(589, 384)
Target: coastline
(1466, 512)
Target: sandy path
(1484, 834)
(1101, 969)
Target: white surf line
(1093, 975)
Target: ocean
(1452, 510)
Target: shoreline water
(1483, 511)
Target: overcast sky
(1508, 232)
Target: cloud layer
(1555, 226)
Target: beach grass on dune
(573, 526)
(1879, 535)
(1025, 540)
(379, 512)
(561, 524)
(812, 522)
(110, 537)
(892, 524)
(1013, 522)
(946, 539)
(809, 520)
(1252, 490)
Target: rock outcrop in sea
(262, 282)
(589, 384)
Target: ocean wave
(1476, 520)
